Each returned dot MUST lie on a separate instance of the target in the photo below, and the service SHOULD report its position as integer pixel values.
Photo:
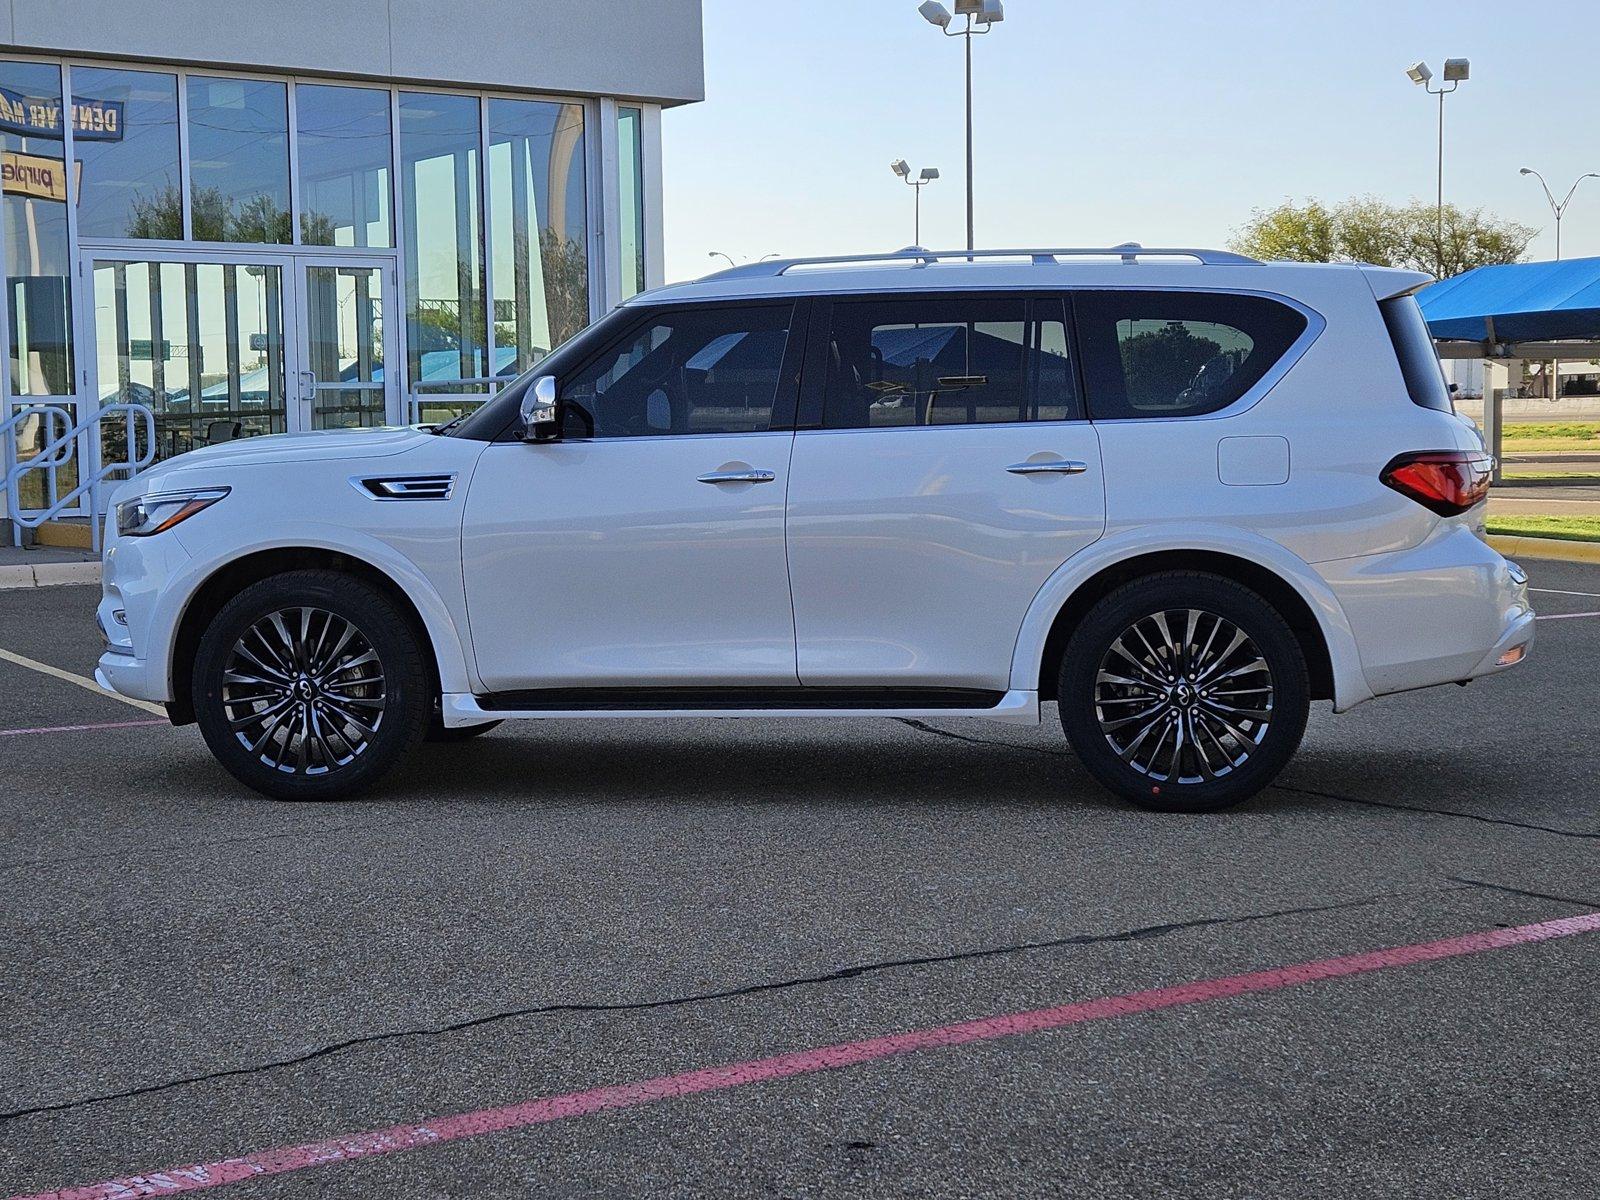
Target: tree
(1366, 229)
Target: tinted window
(1419, 359)
(698, 370)
(1173, 354)
(974, 360)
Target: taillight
(1448, 482)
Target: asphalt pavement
(195, 975)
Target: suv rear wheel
(1184, 692)
(310, 685)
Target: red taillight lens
(1446, 481)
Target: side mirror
(541, 412)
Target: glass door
(343, 347)
(224, 346)
(199, 342)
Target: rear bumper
(1445, 611)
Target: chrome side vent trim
(404, 487)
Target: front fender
(1349, 683)
(442, 615)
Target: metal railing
(57, 451)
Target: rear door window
(972, 360)
(1177, 354)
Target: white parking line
(80, 680)
(1559, 592)
(1565, 616)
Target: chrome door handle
(1059, 466)
(738, 477)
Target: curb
(48, 574)
(1560, 549)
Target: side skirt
(461, 709)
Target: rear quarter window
(1178, 354)
(1419, 359)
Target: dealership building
(289, 214)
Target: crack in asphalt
(1516, 891)
(1083, 939)
(1581, 834)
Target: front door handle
(1055, 466)
(738, 477)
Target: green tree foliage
(1366, 229)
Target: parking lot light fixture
(1558, 210)
(928, 174)
(1455, 71)
(982, 16)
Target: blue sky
(1160, 121)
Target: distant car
(1183, 494)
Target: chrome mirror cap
(540, 412)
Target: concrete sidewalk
(45, 566)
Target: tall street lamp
(1560, 210)
(1455, 70)
(928, 175)
(981, 15)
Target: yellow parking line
(81, 680)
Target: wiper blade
(441, 430)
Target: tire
(1125, 695)
(311, 685)
(439, 734)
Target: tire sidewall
(407, 694)
(1233, 601)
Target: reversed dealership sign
(33, 175)
(31, 116)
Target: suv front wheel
(1184, 692)
(310, 685)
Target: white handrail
(57, 451)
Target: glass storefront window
(238, 160)
(441, 203)
(125, 141)
(630, 188)
(342, 136)
(37, 260)
(539, 234)
(200, 343)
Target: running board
(461, 709)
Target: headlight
(163, 510)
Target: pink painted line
(350, 1147)
(79, 728)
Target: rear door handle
(1058, 466)
(738, 477)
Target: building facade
(290, 215)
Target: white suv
(1181, 493)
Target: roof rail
(1128, 252)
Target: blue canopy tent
(1518, 302)
(1540, 311)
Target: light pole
(981, 16)
(1455, 70)
(928, 175)
(1560, 210)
